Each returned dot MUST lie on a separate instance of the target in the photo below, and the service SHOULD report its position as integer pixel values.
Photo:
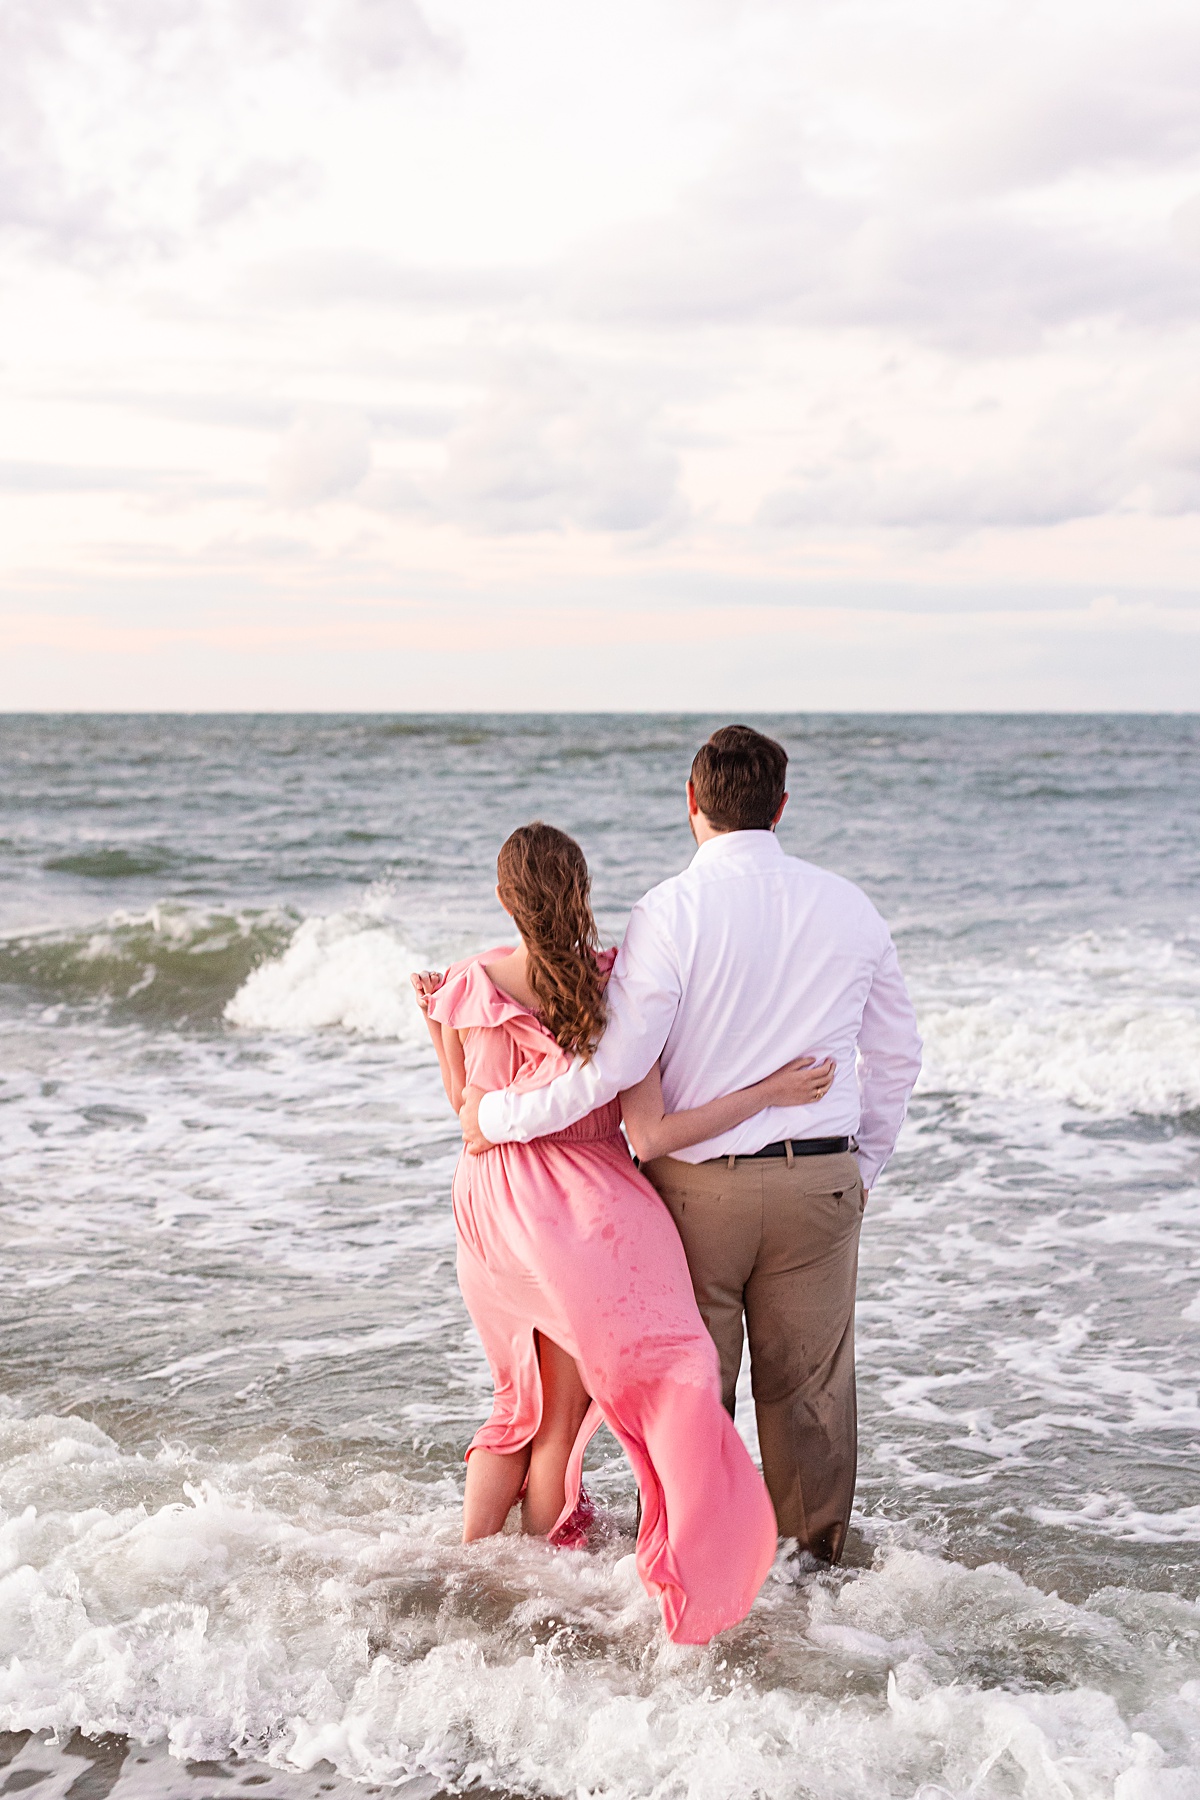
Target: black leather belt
(800, 1147)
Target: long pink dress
(564, 1236)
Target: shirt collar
(750, 846)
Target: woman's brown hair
(543, 880)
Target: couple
(602, 1292)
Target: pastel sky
(688, 354)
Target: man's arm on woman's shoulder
(642, 998)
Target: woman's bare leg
(493, 1487)
(565, 1400)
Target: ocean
(236, 1378)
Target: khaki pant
(780, 1245)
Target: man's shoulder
(656, 917)
(665, 902)
(845, 894)
(819, 876)
(663, 895)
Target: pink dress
(563, 1235)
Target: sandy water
(236, 1377)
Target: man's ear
(779, 814)
(693, 806)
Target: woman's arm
(653, 1132)
(447, 1042)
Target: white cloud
(1045, 126)
(245, 187)
(549, 447)
(117, 117)
(758, 239)
(769, 289)
(1082, 456)
(372, 39)
(1185, 225)
(348, 276)
(325, 455)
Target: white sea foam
(1107, 1023)
(349, 970)
(1117, 1516)
(258, 1608)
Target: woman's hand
(468, 1118)
(447, 1041)
(426, 984)
(655, 1132)
(798, 1083)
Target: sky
(685, 354)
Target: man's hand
(468, 1118)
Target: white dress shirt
(745, 960)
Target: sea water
(237, 1378)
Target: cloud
(126, 123)
(549, 447)
(242, 411)
(745, 286)
(349, 276)
(978, 190)
(1185, 225)
(158, 487)
(758, 241)
(552, 447)
(68, 478)
(367, 40)
(250, 186)
(1033, 131)
(325, 455)
(1015, 497)
(1080, 457)
(1167, 447)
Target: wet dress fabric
(564, 1236)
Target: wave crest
(169, 965)
(1109, 1024)
(349, 970)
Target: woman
(572, 1269)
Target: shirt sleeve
(889, 1061)
(642, 1000)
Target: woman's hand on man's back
(800, 1082)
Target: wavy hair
(543, 880)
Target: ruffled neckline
(469, 996)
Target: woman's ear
(500, 898)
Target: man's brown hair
(738, 779)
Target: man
(748, 959)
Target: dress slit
(531, 1424)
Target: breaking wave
(262, 970)
(170, 964)
(349, 970)
(300, 1616)
(1107, 1024)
